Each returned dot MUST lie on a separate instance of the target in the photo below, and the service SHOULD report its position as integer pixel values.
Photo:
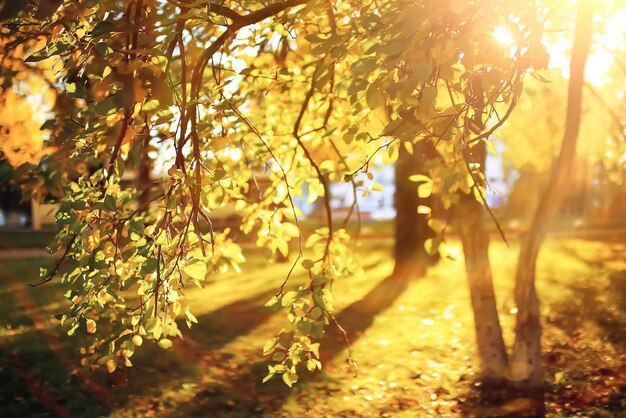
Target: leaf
(374, 97)
(432, 245)
(315, 314)
(287, 379)
(269, 345)
(278, 356)
(91, 326)
(393, 48)
(196, 269)
(165, 343)
(70, 88)
(151, 105)
(312, 364)
(288, 298)
(111, 365)
(422, 71)
(272, 303)
(109, 202)
(175, 172)
(419, 177)
(103, 28)
(437, 224)
(47, 52)
(559, 377)
(269, 375)
(491, 147)
(423, 210)
(424, 190)
(291, 229)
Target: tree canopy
(221, 94)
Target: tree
(291, 89)
(411, 223)
(475, 239)
(526, 362)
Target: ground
(415, 349)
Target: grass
(415, 354)
(25, 238)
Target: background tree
(526, 361)
(411, 222)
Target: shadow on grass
(246, 395)
(36, 364)
(220, 327)
(153, 366)
(595, 312)
(603, 305)
(360, 315)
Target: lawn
(415, 352)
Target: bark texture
(475, 239)
(526, 364)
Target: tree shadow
(200, 348)
(502, 398)
(596, 371)
(220, 327)
(359, 316)
(246, 395)
(606, 308)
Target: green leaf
(47, 52)
(269, 345)
(103, 28)
(393, 48)
(109, 202)
(289, 298)
(150, 105)
(315, 313)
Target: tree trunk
(411, 228)
(526, 365)
(475, 239)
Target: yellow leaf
(91, 326)
(423, 210)
(111, 365)
(113, 119)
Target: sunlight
(601, 57)
(503, 36)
